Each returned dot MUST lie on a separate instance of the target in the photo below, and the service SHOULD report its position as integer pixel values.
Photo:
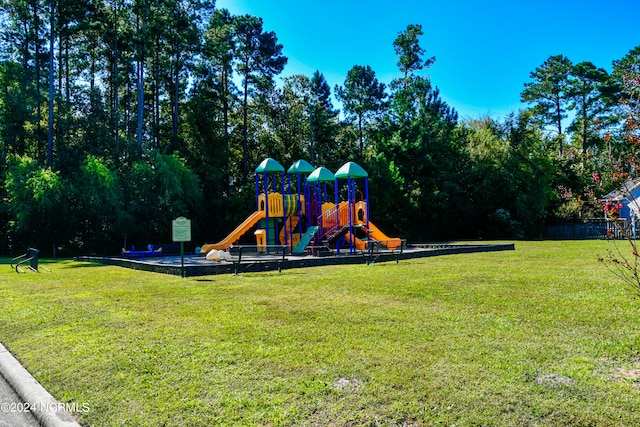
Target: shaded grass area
(542, 335)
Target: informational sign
(181, 229)
(181, 232)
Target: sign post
(181, 232)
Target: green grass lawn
(539, 336)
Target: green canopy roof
(301, 166)
(270, 165)
(321, 174)
(351, 169)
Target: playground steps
(335, 233)
(299, 249)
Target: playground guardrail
(373, 249)
(262, 252)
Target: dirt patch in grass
(552, 380)
(630, 372)
(348, 385)
(627, 371)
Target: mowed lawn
(540, 336)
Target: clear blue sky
(484, 50)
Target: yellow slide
(235, 234)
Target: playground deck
(198, 265)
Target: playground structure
(151, 251)
(294, 210)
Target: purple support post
(309, 201)
(297, 202)
(284, 212)
(257, 191)
(265, 179)
(366, 197)
(299, 207)
(320, 217)
(318, 201)
(337, 213)
(349, 206)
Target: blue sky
(484, 50)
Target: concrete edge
(47, 410)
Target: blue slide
(302, 244)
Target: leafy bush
(37, 200)
(158, 188)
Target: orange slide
(360, 244)
(235, 234)
(391, 243)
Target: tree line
(118, 116)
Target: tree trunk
(60, 57)
(245, 166)
(127, 112)
(51, 86)
(23, 84)
(361, 133)
(176, 97)
(67, 84)
(116, 55)
(584, 126)
(225, 112)
(140, 87)
(140, 90)
(559, 124)
(156, 94)
(36, 19)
